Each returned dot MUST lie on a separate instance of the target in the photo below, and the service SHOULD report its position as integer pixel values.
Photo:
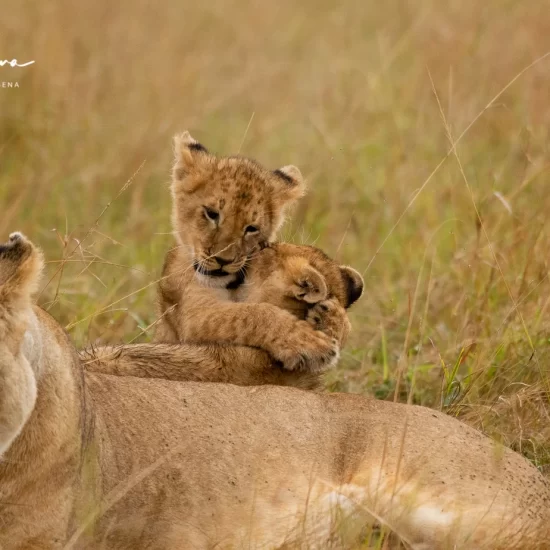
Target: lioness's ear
(290, 184)
(21, 265)
(353, 282)
(309, 285)
(187, 153)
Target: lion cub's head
(225, 208)
(295, 277)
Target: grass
(367, 100)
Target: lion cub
(299, 279)
(225, 210)
(304, 281)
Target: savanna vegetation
(423, 129)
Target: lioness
(98, 461)
(300, 279)
(224, 210)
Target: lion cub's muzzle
(218, 266)
(219, 272)
(227, 276)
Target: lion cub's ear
(353, 282)
(187, 153)
(289, 184)
(308, 285)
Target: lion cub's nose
(222, 261)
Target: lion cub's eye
(211, 214)
(249, 229)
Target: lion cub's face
(295, 277)
(224, 209)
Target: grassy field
(367, 99)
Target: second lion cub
(225, 210)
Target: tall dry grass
(456, 259)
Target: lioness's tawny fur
(97, 461)
(299, 279)
(224, 211)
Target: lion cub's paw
(329, 317)
(308, 350)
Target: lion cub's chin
(215, 282)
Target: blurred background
(366, 99)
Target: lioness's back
(210, 442)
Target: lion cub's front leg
(288, 340)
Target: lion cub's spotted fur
(225, 210)
(299, 279)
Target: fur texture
(123, 462)
(299, 279)
(225, 210)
